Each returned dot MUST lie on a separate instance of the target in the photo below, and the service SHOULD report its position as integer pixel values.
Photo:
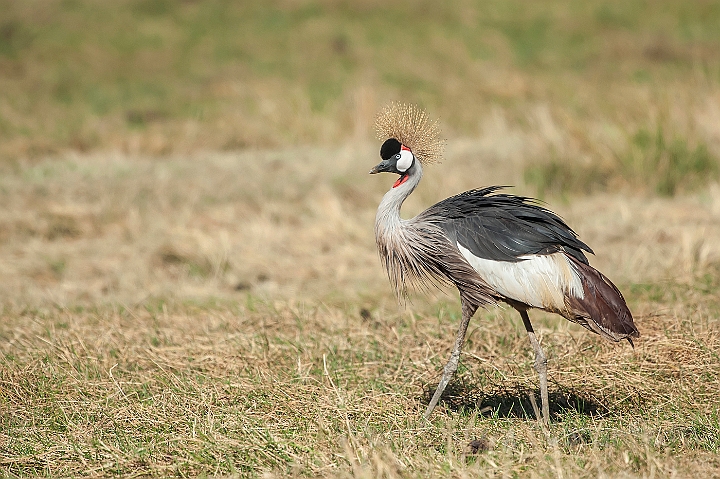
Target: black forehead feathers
(390, 148)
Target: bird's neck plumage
(394, 236)
(388, 218)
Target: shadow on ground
(514, 402)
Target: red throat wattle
(401, 180)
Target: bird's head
(396, 158)
(409, 138)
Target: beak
(381, 167)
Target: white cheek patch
(405, 161)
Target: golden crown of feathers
(412, 127)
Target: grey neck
(388, 213)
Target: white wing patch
(540, 281)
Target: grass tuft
(669, 166)
(563, 177)
(650, 163)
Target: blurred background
(224, 145)
(189, 282)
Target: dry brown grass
(291, 223)
(227, 314)
(188, 290)
(315, 389)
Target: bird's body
(493, 248)
(519, 253)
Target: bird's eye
(398, 156)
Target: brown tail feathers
(602, 309)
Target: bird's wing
(504, 227)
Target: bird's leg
(540, 366)
(467, 312)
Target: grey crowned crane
(492, 247)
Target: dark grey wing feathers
(504, 227)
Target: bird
(493, 247)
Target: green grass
(669, 165)
(156, 77)
(652, 163)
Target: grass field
(208, 315)
(189, 278)
(625, 91)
